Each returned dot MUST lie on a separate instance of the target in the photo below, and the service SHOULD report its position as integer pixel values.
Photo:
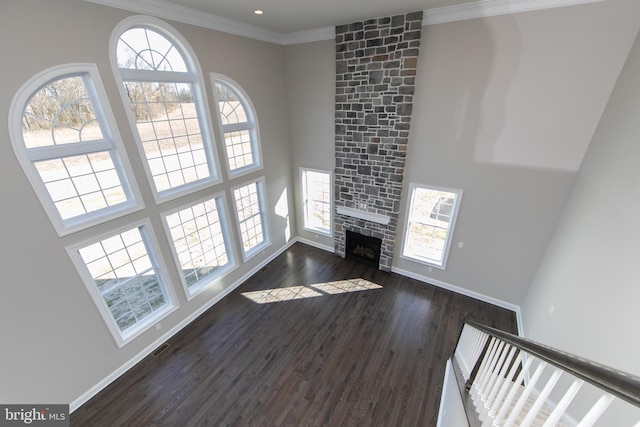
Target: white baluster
(492, 369)
(485, 362)
(563, 404)
(541, 399)
(479, 345)
(500, 379)
(462, 350)
(525, 395)
(596, 411)
(476, 344)
(506, 404)
(497, 372)
(508, 384)
(465, 352)
(483, 372)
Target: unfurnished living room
(295, 213)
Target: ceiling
(288, 16)
(300, 21)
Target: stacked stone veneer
(375, 75)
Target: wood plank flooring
(371, 357)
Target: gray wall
(584, 298)
(55, 345)
(504, 109)
(311, 116)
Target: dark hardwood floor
(371, 357)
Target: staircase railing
(506, 380)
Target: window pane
(169, 129)
(144, 49)
(249, 210)
(231, 109)
(238, 125)
(65, 137)
(125, 277)
(429, 224)
(199, 241)
(81, 184)
(60, 113)
(316, 188)
(239, 153)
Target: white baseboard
(315, 244)
(459, 290)
(148, 350)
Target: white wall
(452, 412)
(55, 345)
(584, 298)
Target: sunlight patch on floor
(344, 286)
(310, 291)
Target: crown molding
(316, 35)
(477, 9)
(487, 8)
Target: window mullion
(235, 127)
(68, 150)
(156, 76)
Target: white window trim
(253, 121)
(122, 338)
(105, 116)
(303, 207)
(454, 216)
(223, 214)
(200, 98)
(264, 213)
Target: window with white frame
(251, 215)
(316, 200)
(200, 242)
(430, 221)
(65, 137)
(239, 126)
(125, 280)
(163, 87)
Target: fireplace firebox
(363, 248)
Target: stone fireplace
(375, 75)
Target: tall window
(200, 242)
(163, 88)
(251, 213)
(125, 280)
(316, 200)
(239, 126)
(430, 221)
(66, 140)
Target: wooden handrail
(620, 384)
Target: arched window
(239, 126)
(65, 137)
(163, 86)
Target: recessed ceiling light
(258, 12)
